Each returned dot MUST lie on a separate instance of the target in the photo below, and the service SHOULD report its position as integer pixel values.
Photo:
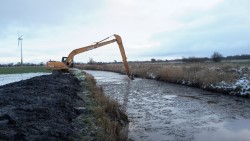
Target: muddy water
(167, 112)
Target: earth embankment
(40, 108)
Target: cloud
(159, 28)
(46, 27)
(225, 29)
(35, 17)
(138, 21)
(56, 12)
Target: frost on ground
(10, 78)
(240, 87)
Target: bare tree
(216, 57)
(91, 61)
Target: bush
(91, 61)
(216, 57)
(153, 60)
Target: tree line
(215, 57)
(19, 64)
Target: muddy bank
(51, 107)
(40, 108)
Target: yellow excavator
(67, 62)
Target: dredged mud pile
(40, 108)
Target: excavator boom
(124, 58)
(87, 48)
(67, 62)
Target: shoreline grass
(23, 69)
(108, 113)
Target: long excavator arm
(70, 57)
(67, 62)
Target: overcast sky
(161, 29)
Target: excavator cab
(64, 59)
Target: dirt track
(40, 108)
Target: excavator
(67, 62)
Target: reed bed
(201, 75)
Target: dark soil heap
(40, 108)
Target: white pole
(21, 53)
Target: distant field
(22, 69)
(239, 62)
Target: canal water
(10, 78)
(160, 111)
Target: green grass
(22, 69)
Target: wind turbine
(19, 43)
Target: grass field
(22, 69)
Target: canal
(160, 111)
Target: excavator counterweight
(67, 62)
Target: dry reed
(108, 113)
(194, 74)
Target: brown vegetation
(108, 113)
(201, 75)
(196, 75)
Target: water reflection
(237, 130)
(126, 95)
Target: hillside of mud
(40, 108)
